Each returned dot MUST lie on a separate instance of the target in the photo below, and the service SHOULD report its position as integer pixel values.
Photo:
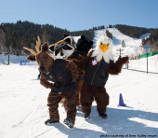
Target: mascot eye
(62, 54)
(52, 48)
(57, 51)
(66, 47)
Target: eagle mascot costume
(99, 65)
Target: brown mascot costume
(60, 75)
(100, 65)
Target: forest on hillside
(13, 36)
(132, 31)
(25, 34)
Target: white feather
(98, 53)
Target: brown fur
(81, 66)
(45, 82)
(45, 62)
(69, 98)
(115, 68)
(70, 103)
(72, 67)
(89, 93)
(78, 94)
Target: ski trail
(22, 121)
(42, 133)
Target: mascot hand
(124, 60)
(52, 85)
(89, 53)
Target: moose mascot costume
(60, 75)
(100, 65)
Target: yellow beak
(104, 47)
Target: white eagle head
(103, 49)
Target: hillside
(138, 32)
(25, 34)
(13, 36)
(132, 46)
(133, 31)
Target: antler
(30, 50)
(37, 47)
(38, 44)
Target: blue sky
(81, 14)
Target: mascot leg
(70, 103)
(53, 101)
(78, 95)
(64, 102)
(86, 99)
(102, 100)
(79, 86)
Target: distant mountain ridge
(133, 31)
(13, 36)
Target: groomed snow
(23, 106)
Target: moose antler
(37, 47)
(30, 50)
(38, 44)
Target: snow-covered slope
(145, 35)
(23, 106)
(133, 46)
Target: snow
(13, 59)
(23, 105)
(144, 36)
(141, 64)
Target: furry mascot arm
(84, 60)
(72, 67)
(115, 68)
(81, 63)
(45, 82)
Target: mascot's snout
(104, 47)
